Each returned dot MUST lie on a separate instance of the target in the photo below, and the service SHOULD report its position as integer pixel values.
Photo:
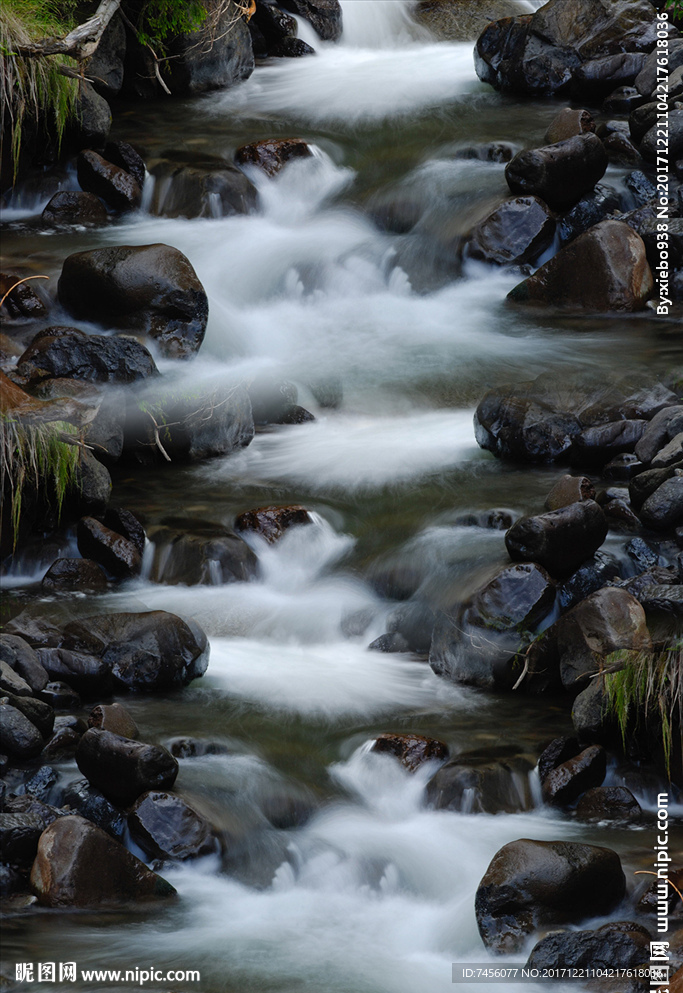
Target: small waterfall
(379, 24)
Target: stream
(372, 892)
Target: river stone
(560, 174)
(661, 429)
(75, 576)
(20, 657)
(40, 714)
(114, 185)
(511, 58)
(605, 269)
(203, 187)
(126, 157)
(22, 822)
(113, 717)
(86, 674)
(569, 122)
(559, 540)
(167, 827)
(556, 752)
(117, 554)
(649, 147)
(291, 48)
(20, 300)
(567, 781)
(19, 737)
(121, 768)
(93, 487)
(646, 483)
(61, 746)
(589, 714)
(125, 523)
(516, 232)
(192, 553)
(269, 25)
(273, 154)
(90, 121)
(671, 454)
(325, 16)
(272, 523)
(591, 575)
(64, 352)
(604, 949)
(60, 696)
(592, 29)
(602, 442)
(412, 750)
(663, 509)
(105, 65)
(70, 207)
(609, 803)
(149, 288)
(478, 784)
(79, 865)
(84, 799)
(597, 78)
(592, 208)
(543, 884)
(569, 489)
(152, 650)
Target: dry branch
(79, 43)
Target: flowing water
(374, 892)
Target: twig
(18, 283)
(649, 872)
(79, 43)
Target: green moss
(161, 20)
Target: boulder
(115, 718)
(22, 822)
(19, 656)
(642, 486)
(117, 554)
(68, 207)
(609, 803)
(412, 750)
(148, 288)
(543, 884)
(75, 576)
(592, 208)
(569, 489)
(269, 26)
(479, 784)
(593, 29)
(568, 780)
(86, 674)
(516, 232)
(663, 509)
(559, 540)
(105, 65)
(126, 524)
(272, 154)
(19, 737)
(272, 523)
(85, 800)
(649, 147)
(606, 949)
(605, 269)
(20, 299)
(599, 77)
(121, 768)
(591, 575)
(192, 553)
(569, 122)
(325, 16)
(123, 155)
(204, 186)
(559, 174)
(40, 714)
(12, 682)
(90, 123)
(602, 442)
(93, 487)
(556, 752)
(68, 353)
(589, 713)
(167, 827)
(79, 865)
(60, 696)
(114, 185)
(646, 80)
(291, 48)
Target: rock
(198, 552)
(20, 657)
(603, 442)
(649, 147)
(569, 122)
(591, 575)
(559, 750)
(79, 865)
(609, 803)
(496, 520)
(62, 745)
(40, 714)
(86, 674)
(412, 750)
(75, 576)
(18, 736)
(91, 122)
(105, 65)
(605, 269)
(272, 523)
(641, 120)
(68, 207)
(599, 77)
(21, 824)
(620, 516)
(620, 150)
(149, 288)
(670, 455)
(663, 510)
(42, 784)
(479, 647)
(604, 949)
(559, 174)
(169, 828)
(93, 486)
(272, 154)
(83, 798)
(622, 467)
(272, 24)
(567, 781)
(543, 884)
(458, 20)
(150, 651)
(72, 354)
(559, 540)
(20, 299)
(60, 696)
(391, 643)
(476, 784)
(291, 48)
(123, 155)
(646, 483)
(190, 748)
(126, 524)
(593, 30)
(201, 187)
(119, 556)
(491, 151)
(114, 185)
(121, 768)
(325, 16)
(569, 489)
(115, 718)
(589, 211)
(588, 712)
(516, 232)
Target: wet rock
(269, 26)
(126, 524)
(69, 207)
(621, 517)
(20, 657)
(569, 489)
(559, 540)
(641, 120)
(191, 748)
(291, 48)
(559, 750)
(148, 651)
(105, 66)
(599, 77)
(272, 522)
(123, 155)
(85, 800)
(623, 467)
(542, 884)
(192, 553)
(603, 442)
(86, 674)
(114, 185)
(496, 520)
(115, 718)
(60, 696)
(72, 354)
(649, 147)
(512, 58)
(516, 232)
(42, 784)
(665, 598)
(604, 949)
(169, 828)
(117, 554)
(649, 901)
(93, 485)
(75, 575)
(609, 803)
(620, 150)
(79, 865)
(325, 16)
(670, 455)
(589, 211)
(18, 736)
(202, 187)
(148, 288)
(21, 824)
(569, 122)
(597, 30)
(567, 781)
(391, 643)
(646, 483)
(605, 269)
(664, 508)
(20, 299)
(40, 714)
(273, 154)
(459, 20)
(412, 750)
(62, 745)
(480, 785)
(588, 713)
(492, 151)
(271, 400)
(91, 122)
(560, 174)
(123, 769)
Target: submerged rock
(272, 522)
(273, 154)
(609, 803)
(568, 780)
(198, 552)
(201, 187)
(412, 750)
(481, 784)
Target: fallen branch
(79, 43)
(18, 283)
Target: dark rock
(91, 122)
(542, 884)
(670, 455)
(273, 154)
(21, 824)
(20, 300)
(86, 674)
(94, 485)
(273, 24)
(621, 517)
(569, 122)
(270, 400)
(69, 207)
(117, 554)
(203, 187)
(11, 880)
(623, 467)
(460, 20)
(649, 147)
(559, 540)
(325, 16)
(609, 803)
(666, 598)
(72, 354)
(569, 489)
(605, 950)
(605, 269)
(105, 66)
(40, 714)
(75, 576)
(496, 520)
(588, 712)
(603, 442)
(479, 785)
(42, 784)
(598, 77)
(492, 151)
(513, 59)
(646, 483)
(647, 77)
(560, 174)
(149, 651)
(123, 769)
(79, 865)
(190, 748)
(567, 781)
(589, 211)
(169, 828)
(620, 150)
(642, 553)
(20, 657)
(516, 232)
(123, 155)
(284, 811)
(149, 288)
(62, 745)
(114, 185)
(558, 751)
(296, 415)
(663, 510)
(60, 696)
(197, 552)
(622, 100)
(593, 30)
(19, 737)
(272, 523)
(83, 798)
(641, 120)
(391, 643)
(412, 750)
(115, 718)
(126, 524)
